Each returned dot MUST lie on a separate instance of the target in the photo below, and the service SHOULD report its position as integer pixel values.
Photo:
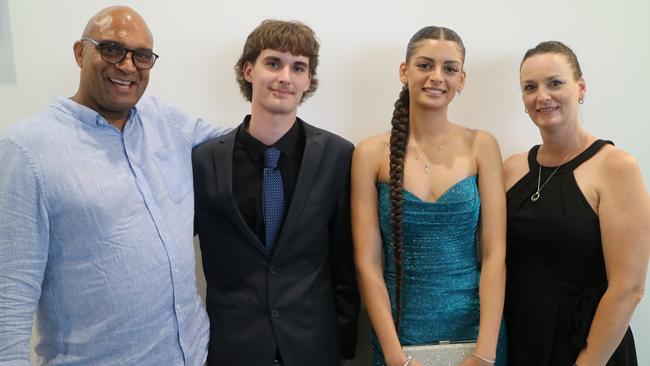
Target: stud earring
(581, 101)
(526, 110)
(459, 91)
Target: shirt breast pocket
(175, 169)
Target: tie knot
(271, 157)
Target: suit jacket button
(274, 314)
(272, 270)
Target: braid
(398, 139)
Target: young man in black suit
(273, 217)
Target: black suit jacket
(303, 299)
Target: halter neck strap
(571, 164)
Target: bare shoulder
(370, 154)
(617, 165)
(514, 168)
(482, 144)
(484, 141)
(373, 146)
(623, 200)
(516, 161)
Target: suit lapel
(314, 145)
(223, 158)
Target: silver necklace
(427, 165)
(536, 195)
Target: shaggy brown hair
(292, 36)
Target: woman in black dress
(578, 237)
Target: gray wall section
(7, 70)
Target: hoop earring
(581, 101)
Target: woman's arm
(368, 246)
(624, 212)
(493, 242)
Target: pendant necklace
(426, 163)
(536, 195)
(427, 166)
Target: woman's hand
(473, 360)
(412, 362)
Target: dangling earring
(526, 110)
(581, 100)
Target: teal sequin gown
(441, 271)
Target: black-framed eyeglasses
(114, 53)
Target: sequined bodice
(440, 281)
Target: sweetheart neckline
(439, 197)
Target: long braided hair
(398, 141)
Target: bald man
(96, 209)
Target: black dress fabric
(556, 268)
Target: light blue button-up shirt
(96, 234)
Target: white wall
(362, 45)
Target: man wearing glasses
(96, 209)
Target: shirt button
(274, 314)
(272, 270)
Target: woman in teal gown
(419, 194)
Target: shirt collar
(287, 144)
(84, 114)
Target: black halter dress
(556, 268)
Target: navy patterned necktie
(272, 197)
